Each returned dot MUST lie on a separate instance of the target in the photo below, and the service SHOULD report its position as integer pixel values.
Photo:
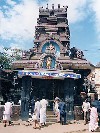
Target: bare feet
(34, 127)
(5, 125)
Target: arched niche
(47, 42)
(51, 60)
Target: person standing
(93, 124)
(56, 109)
(37, 113)
(62, 108)
(86, 107)
(43, 106)
(7, 113)
(96, 102)
(32, 105)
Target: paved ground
(54, 128)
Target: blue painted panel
(54, 44)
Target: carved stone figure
(48, 63)
(59, 66)
(50, 49)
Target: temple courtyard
(24, 127)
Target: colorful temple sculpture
(52, 68)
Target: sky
(18, 19)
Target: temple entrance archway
(50, 88)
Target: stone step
(51, 120)
(51, 116)
(50, 113)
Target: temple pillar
(69, 98)
(25, 97)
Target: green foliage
(5, 61)
(10, 55)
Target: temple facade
(52, 68)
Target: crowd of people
(38, 113)
(91, 111)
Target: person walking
(43, 106)
(62, 108)
(93, 124)
(86, 107)
(7, 113)
(36, 113)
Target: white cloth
(6, 117)
(57, 111)
(56, 107)
(37, 110)
(7, 111)
(34, 117)
(93, 124)
(86, 106)
(43, 104)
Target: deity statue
(48, 63)
(50, 49)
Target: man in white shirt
(36, 113)
(43, 104)
(86, 107)
(7, 113)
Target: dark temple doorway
(50, 88)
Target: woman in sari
(93, 124)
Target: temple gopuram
(52, 68)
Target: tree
(6, 58)
(4, 61)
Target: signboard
(48, 74)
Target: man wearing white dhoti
(43, 104)
(7, 113)
(36, 113)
